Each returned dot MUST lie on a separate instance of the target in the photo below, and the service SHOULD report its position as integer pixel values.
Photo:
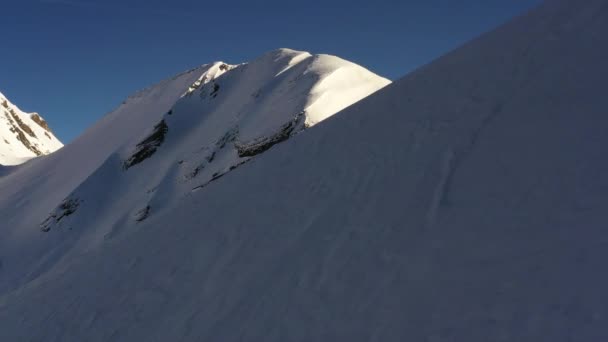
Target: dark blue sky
(75, 60)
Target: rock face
(23, 135)
(146, 148)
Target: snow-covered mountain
(464, 202)
(23, 136)
(158, 146)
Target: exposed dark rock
(41, 122)
(194, 172)
(250, 149)
(24, 127)
(23, 139)
(216, 88)
(69, 207)
(65, 209)
(260, 145)
(147, 147)
(16, 126)
(219, 175)
(142, 214)
(228, 137)
(210, 157)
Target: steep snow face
(465, 202)
(23, 136)
(162, 144)
(30, 192)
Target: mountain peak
(186, 132)
(23, 135)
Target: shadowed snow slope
(23, 136)
(158, 146)
(465, 202)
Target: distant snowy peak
(23, 135)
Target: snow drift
(465, 202)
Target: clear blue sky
(75, 60)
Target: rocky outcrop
(147, 147)
(65, 209)
(24, 135)
(262, 144)
(19, 129)
(40, 121)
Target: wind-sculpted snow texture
(465, 202)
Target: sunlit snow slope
(23, 136)
(160, 145)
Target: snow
(200, 107)
(464, 202)
(13, 150)
(29, 195)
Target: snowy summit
(23, 135)
(163, 144)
